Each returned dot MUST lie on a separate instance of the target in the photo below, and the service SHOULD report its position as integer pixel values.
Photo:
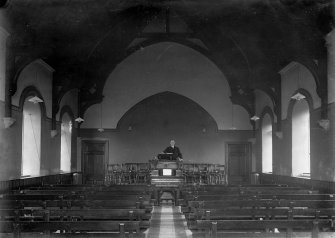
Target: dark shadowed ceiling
(249, 40)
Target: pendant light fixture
(35, 100)
(254, 118)
(79, 120)
(298, 96)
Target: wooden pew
(90, 196)
(70, 214)
(120, 188)
(261, 196)
(40, 196)
(216, 204)
(213, 229)
(77, 192)
(47, 227)
(254, 214)
(20, 204)
(42, 192)
(239, 191)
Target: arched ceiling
(249, 40)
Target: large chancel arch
(167, 66)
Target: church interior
(92, 93)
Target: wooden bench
(250, 192)
(62, 204)
(70, 214)
(90, 196)
(120, 228)
(217, 204)
(213, 229)
(120, 188)
(265, 214)
(261, 196)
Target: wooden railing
(68, 178)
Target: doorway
(94, 154)
(238, 163)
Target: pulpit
(166, 173)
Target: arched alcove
(147, 128)
(296, 76)
(169, 112)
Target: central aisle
(167, 222)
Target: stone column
(3, 39)
(5, 96)
(330, 39)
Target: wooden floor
(167, 222)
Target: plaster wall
(160, 118)
(39, 75)
(293, 77)
(169, 67)
(69, 99)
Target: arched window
(301, 139)
(66, 137)
(31, 138)
(267, 144)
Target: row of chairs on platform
(131, 173)
(139, 173)
(209, 178)
(204, 173)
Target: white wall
(167, 67)
(69, 99)
(263, 100)
(293, 77)
(39, 75)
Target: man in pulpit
(174, 150)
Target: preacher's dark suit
(175, 152)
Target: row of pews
(76, 211)
(258, 211)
